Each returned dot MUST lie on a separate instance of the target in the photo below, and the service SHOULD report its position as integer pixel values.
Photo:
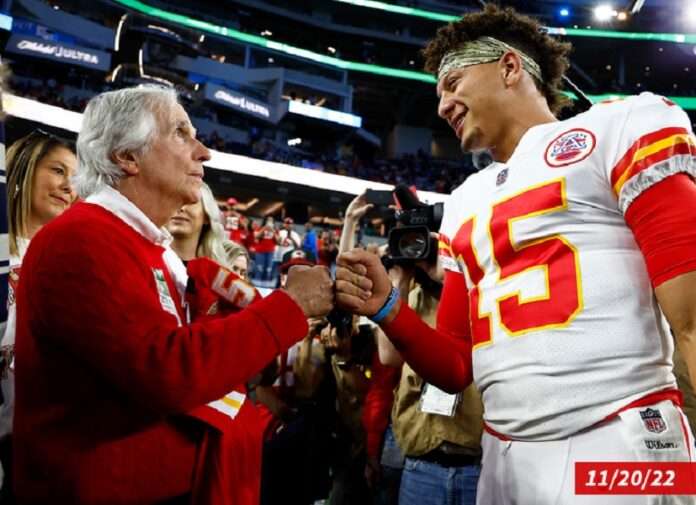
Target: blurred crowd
(271, 244)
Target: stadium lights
(604, 12)
(691, 12)
(294, 142)
(314, 111)
(5, 22)
(685, 102)
(564, 12)
(637, 4)
(117, 37)
(613, 34)
(57, 117)
(400, 9)
(256, 40)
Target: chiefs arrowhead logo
(570, 147)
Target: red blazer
(104, 372)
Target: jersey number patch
(554, 255)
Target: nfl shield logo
(652, 420)
(502, 177)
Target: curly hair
(515, 29)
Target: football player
(567, 260)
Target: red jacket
(104, 372)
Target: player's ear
(510, 67)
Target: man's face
(471, 102)
(173, 166)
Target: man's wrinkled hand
(312, 289)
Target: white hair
(119, 121)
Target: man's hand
(362, 283)
(312, 289)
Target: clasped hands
(362, 285)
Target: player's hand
(312, 289)
(358, 208)
(362, 283)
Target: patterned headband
(484, 50)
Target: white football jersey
(565, 325)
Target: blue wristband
(388, 305)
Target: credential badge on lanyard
(165, 296)
(436, 401)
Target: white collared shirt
(120, 206)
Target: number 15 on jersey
(553, 254)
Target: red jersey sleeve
(662, 221)
(441, 356)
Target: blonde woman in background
(197, 230)
(39, 167)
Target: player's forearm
(440, 359)
(677, 298)
(687, 347)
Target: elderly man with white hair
(107, 364)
